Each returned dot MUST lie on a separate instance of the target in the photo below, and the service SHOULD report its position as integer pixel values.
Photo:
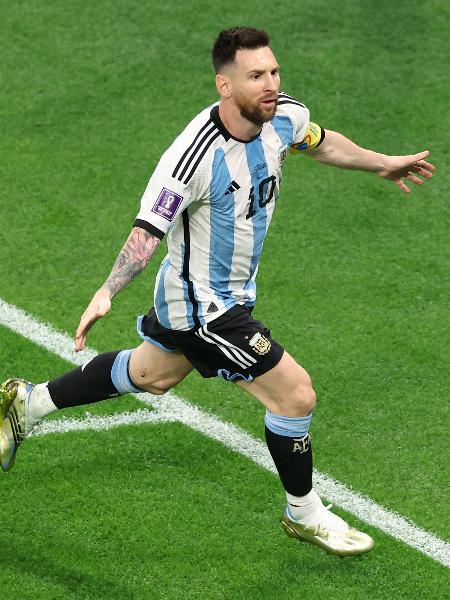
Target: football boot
(329, 532)
(14, 394)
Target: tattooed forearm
(133, 258)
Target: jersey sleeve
(314, 136)
(306, 135)
(167, 194)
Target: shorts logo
(167, 204)
(232, 377)
(260, 344)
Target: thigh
(234, 346)
(150, 364)
(286, 389)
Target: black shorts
(233, 346)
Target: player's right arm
(173, 185)
(134, 256)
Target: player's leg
(23, 405)
(156, 371)
(286, 392)
(145, 368)
(240, 349)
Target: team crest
(282, 155)
(260, 344)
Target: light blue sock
(294, 427)
(120, 375)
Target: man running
(213, 193)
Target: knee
(155, 386)
(303, 399)
(150, 382)
(307, 399)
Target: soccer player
(213, 193)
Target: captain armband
(314, 137)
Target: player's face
(255, 82)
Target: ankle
(301, 507)
(39, 405)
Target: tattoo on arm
(133, 258)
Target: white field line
(101, 423)
(173, 408)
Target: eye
(275, 71)
(256, 76)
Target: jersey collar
(215, 118)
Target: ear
(223, 85)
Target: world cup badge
(167, 204)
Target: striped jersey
(214, 195)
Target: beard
(256, 113)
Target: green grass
(351, 283)
(152, 512)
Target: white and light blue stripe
(257, 166)
(161, 306)
(225, 246)
(284, 129)
(222, 225)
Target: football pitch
(174, 497)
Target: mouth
(269, 102)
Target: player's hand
(98, 307)
(411, 167)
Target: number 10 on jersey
(265, 192)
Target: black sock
(89, 383)
(293, 460)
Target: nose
(271, 83)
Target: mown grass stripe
(173, 408)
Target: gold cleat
(13, 396)
(340, 541)
(7, 395)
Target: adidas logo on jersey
(234, 187)
(212, 308)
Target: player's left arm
(337, 150)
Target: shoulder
(201, 123)
(191, 147)
(289, 106)
(291, 119)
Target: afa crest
(260, 344)
(282, 155)
(301, 445)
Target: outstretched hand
(411, 167)
(98, 307)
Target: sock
(105, 376)
(309, 510)
(39, 405)
(300, 508)
(289, 444)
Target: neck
(237, 125)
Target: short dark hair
(236, 38)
